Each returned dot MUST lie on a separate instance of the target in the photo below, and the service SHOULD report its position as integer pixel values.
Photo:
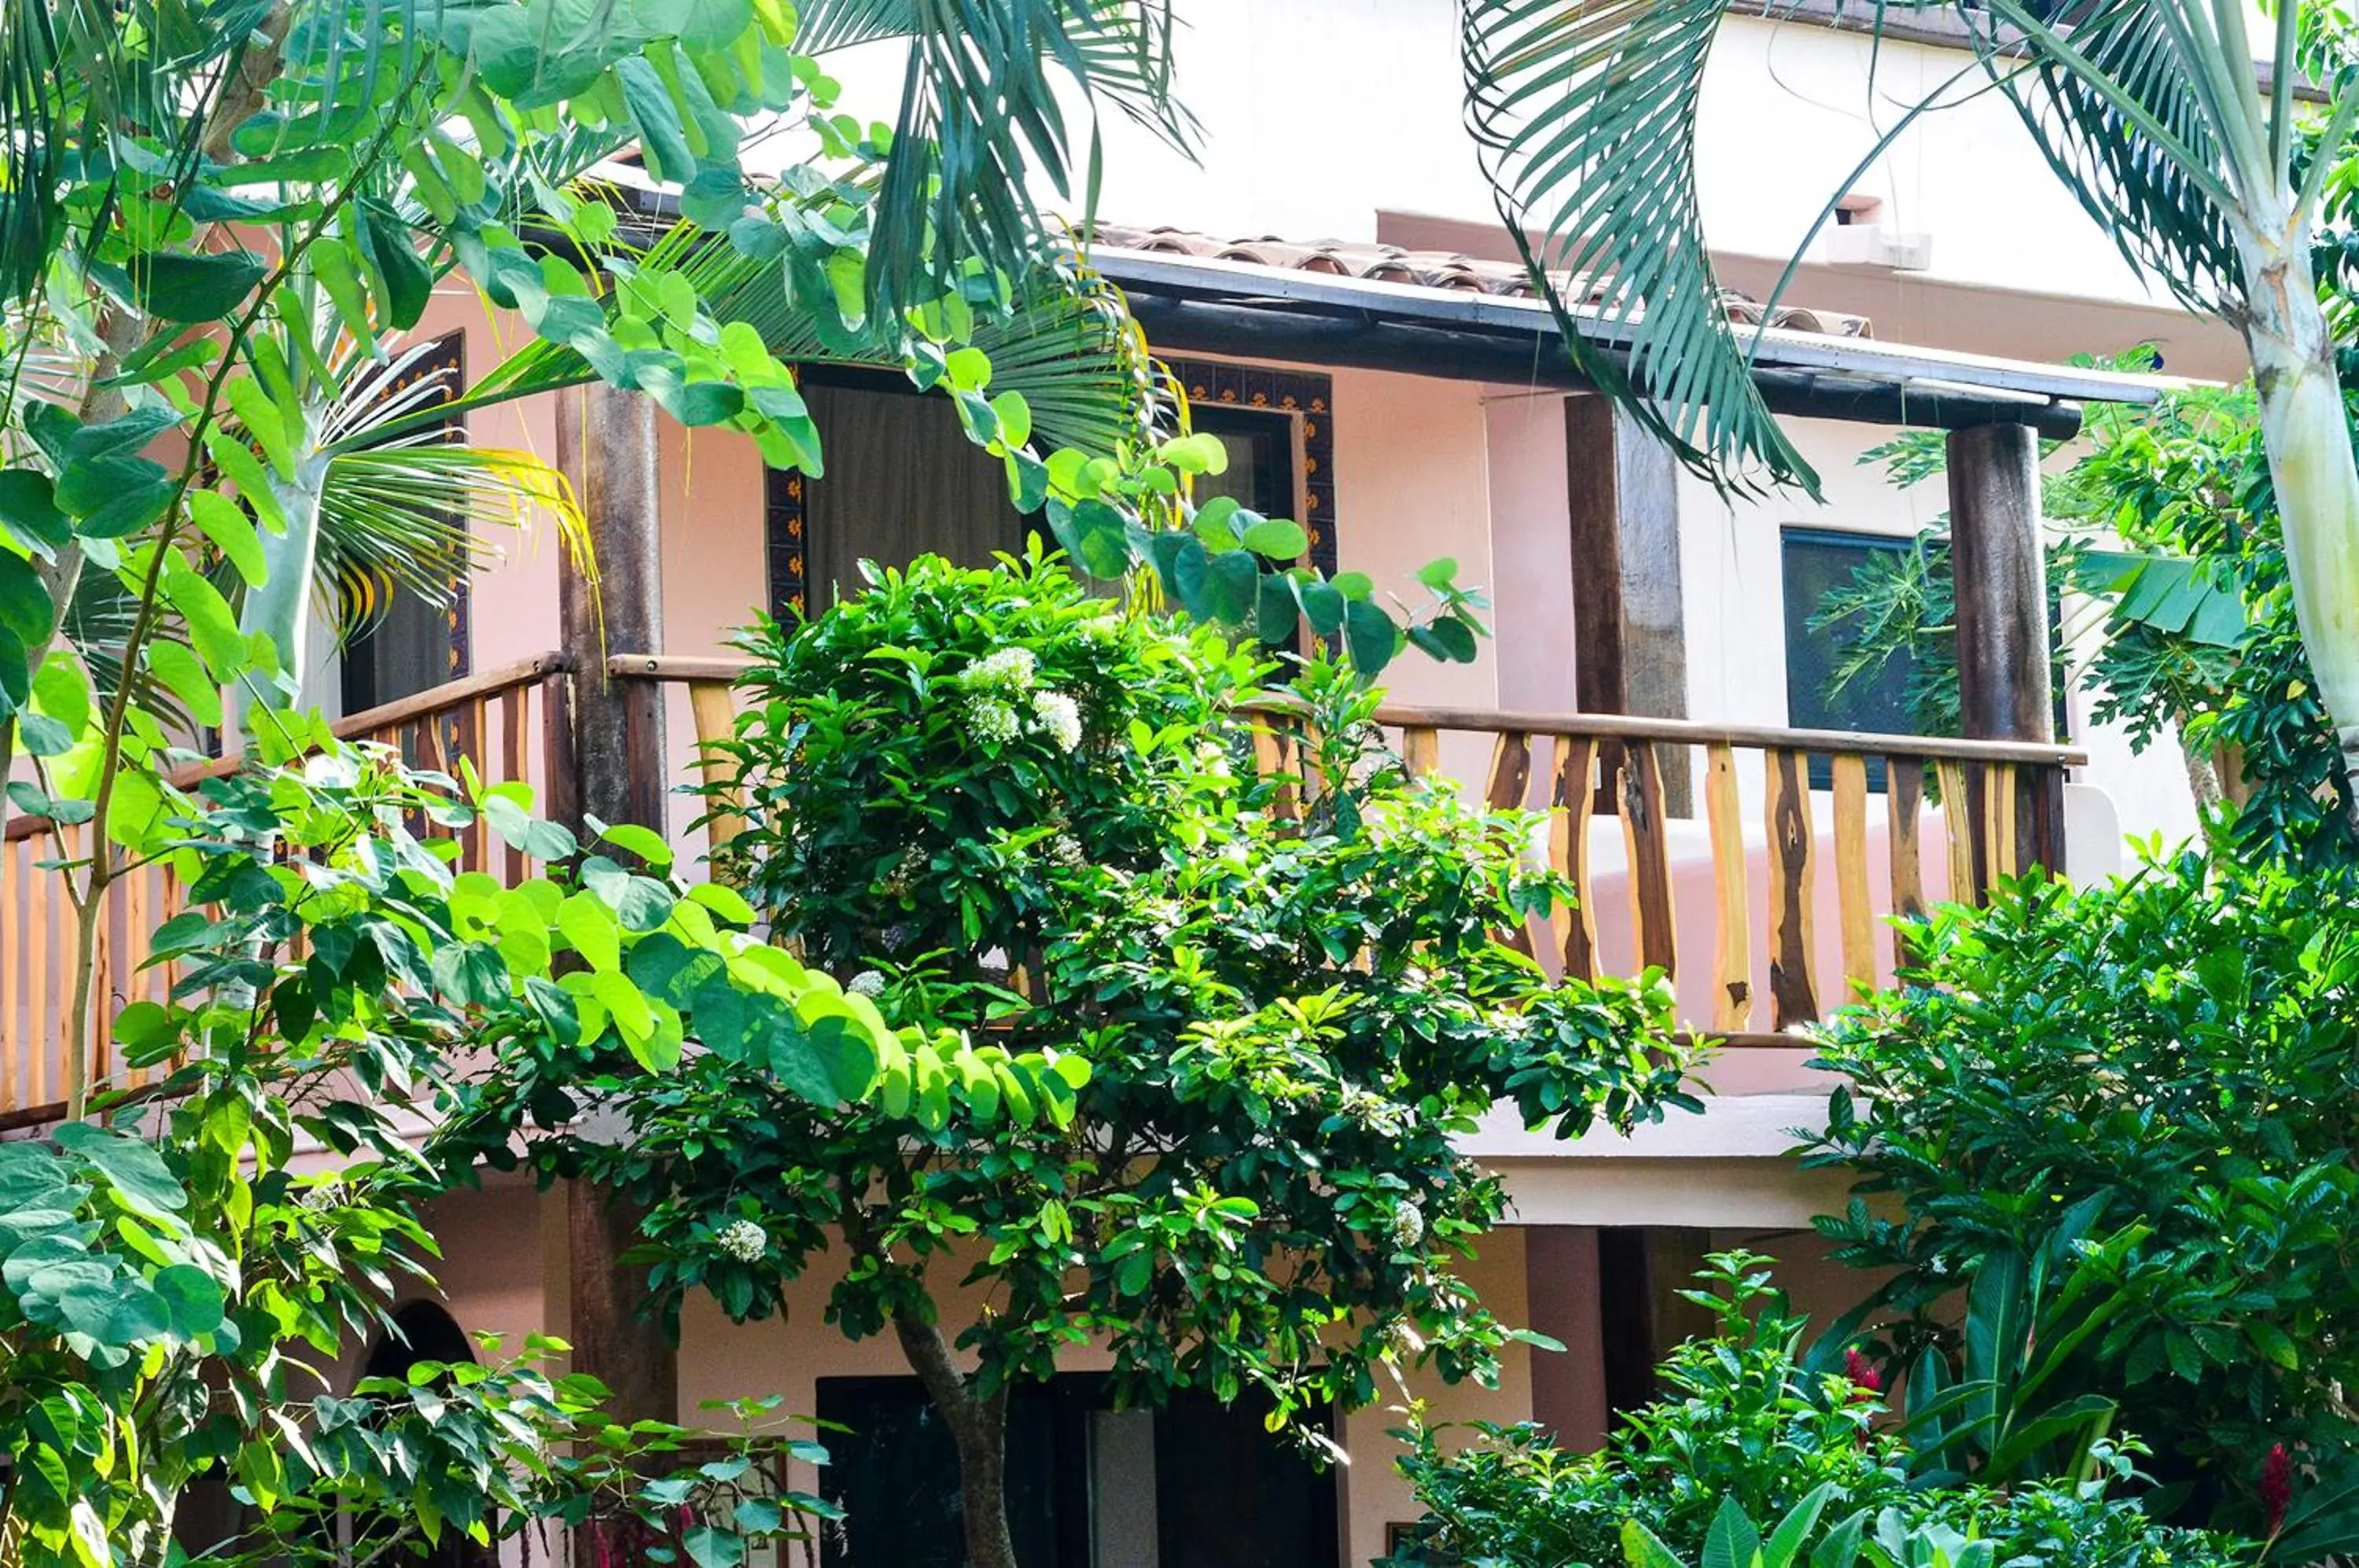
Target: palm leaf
(1584, 116)
(979, 122)
(416, 514)
(1586, 111)
(1066, 341)
(410, 505)
(2120, 113)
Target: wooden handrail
(368, 721)
(504, 719)
(1484, 721)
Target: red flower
(2276, 1486)
(1862, 1372)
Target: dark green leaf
(195, 286)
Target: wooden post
(1629, 631)
(606, 446)
(2004, 639)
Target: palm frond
(2119, 109)
(421, 513)
(1066, 341)
(1584, 116)
(979, 121)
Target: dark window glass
(902, 481)
(1191, 1485)
(1260, 445)
(1816, 561)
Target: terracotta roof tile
(1428, 269)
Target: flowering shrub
(1005, 811)
(1744, 1429)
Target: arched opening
(425, 1332)
(422, 1330)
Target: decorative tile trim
(1306, 397)
(1309, 398)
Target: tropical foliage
(1187, 1045)
(174, 1284)
(2151, 113)
(1746, 1429)
(2116, 1120)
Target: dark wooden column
(607, 446)
(1629, 622)
(2004, 642)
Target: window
(1262, 470)
(1189, 1486)
(1817, 561)
(903, 480)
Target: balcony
(1708, 852)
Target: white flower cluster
(1409, 1226)
(743, 1240)
(1060, 716)
(996, 687)
(990, 719)
(867, 983)
(1065, 850)
(904, 874)
(1010, 669)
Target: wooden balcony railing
(1763, 908)
(1791, 884)
(499, 719)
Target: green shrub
(1747, 1430)
(2150, 1083)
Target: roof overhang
(1189, 304)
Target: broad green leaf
(586, 921)
(195, 286)
(184, 675)
(61, 690)
(26, 607)
(407, 283)
(1277, 538)
(231, 531)
(137, 1174)
(192, 1300)
(1202, 452)
(29, 511)
(1369, 636)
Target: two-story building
(1381, 372)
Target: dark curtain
(902, 481)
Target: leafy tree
(1235, 1022)
(2151, 112)
(2197, 635)
(2143, 1090)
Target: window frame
(1304, 398)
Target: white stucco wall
(1320, 114)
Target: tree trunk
(279, 606)
(2308, 438)
(979, 1431)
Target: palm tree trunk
(2308, 437)
(279, 606)
(978, 1429)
